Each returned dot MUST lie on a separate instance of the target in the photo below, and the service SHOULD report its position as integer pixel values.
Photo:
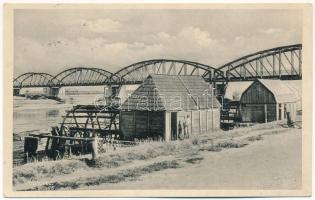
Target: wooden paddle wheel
(82, 128)
(86, 121)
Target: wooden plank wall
(256, 112)
(201, 120)
(253, 113)
(257, 93)
(195, 122)
(216, 119)
(291, 107)
(167, 130)
(127, 123)
(156, 123)
(141, 124)
(253, 104)
(271, 112)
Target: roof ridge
(155, 88)
(171, 93)
(188, 92)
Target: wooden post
(294, 112)
(134, 122)
(148, 124)
(214, 114)
(191, 122)
(300, 63)
(266, 113)
(167, 130)
(289, 121)
(212, 96)
(95, 148)
(277, 111)
(30, 147)
(199, 122)
(207, 120)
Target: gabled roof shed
(173, 93)
(170, 107)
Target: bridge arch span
(136, 73)
(32, 79)
(82, 76)
(283, 62)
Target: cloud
(189, 43)
(195, 35)
(160, 37)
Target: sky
(53, 40)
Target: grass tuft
(125, 175)
(254, 138)
(232, 144)
(184, 150)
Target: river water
(35, 116)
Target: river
(34, 116)
(30, 115)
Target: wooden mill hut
(168, 107)
(234, 90)
(267, 100)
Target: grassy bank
(130, 163)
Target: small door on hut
(253, 113)
(258, 113)
(173, 126)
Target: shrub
(195, 141)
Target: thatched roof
(173, 93)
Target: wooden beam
(62, 137)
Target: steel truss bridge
(283, 63)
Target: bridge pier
(114, 90)
(110, 92)
(53, 91)
(16, 91)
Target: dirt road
(271, 163)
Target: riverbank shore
(259, 157)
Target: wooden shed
(234, 90)
(169, 107)
(266, 101)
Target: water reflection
(29, 115)
(37, 116)
(52, 113)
